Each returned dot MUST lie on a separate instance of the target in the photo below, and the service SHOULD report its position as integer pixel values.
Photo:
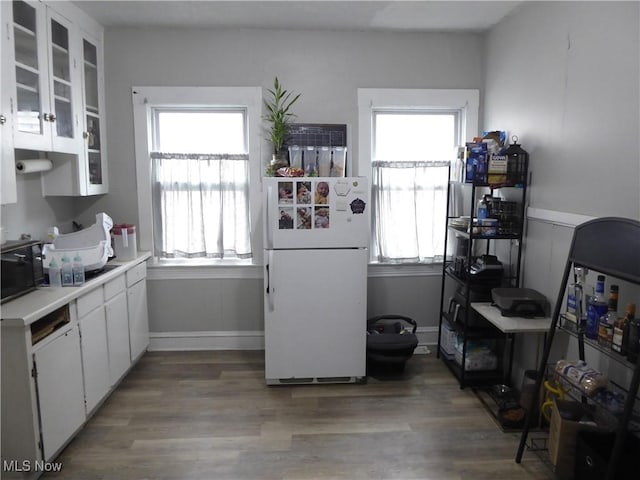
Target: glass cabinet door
(29, 72)
(63, 84)
(8, 192)
(93, 113)
(46, 82)
(62, 101)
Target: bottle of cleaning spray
(78, 270)
(66, 271)
(54, 274)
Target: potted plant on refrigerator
(279, 116)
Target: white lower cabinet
(117, 329)
(56, 371)
(58, 374)
(137, 306)
(95, 355)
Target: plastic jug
(124, 241)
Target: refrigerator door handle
(269, 289)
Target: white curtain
(201, 205)
(409, 208)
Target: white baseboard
(208, 340)
(427, 340)
(247, 340)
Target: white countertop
(512, 324)
(28, 308)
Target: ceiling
(408, 16)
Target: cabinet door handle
(52, 117)
(45, 117)
(3, 119)
(90, 138)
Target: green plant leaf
(278, 107)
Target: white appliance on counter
(316, 234)
(93, 244)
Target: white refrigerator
(316, 234)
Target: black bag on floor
(391, 340)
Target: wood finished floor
(210, 416)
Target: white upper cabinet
(84, 173)
(56, 59)
(8, 191)
(94, 153)
(47, 82)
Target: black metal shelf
(568, 327)
(610, 417)
(492, 186)
(479, 236)
(469, 286)
(472, 378)
(610, 246)
(473, 333)
(478, 285)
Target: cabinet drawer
(89, 302)
(114, 287)
(136, 274)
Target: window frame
(147, 98)
(370, 100)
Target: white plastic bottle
(66, 271)
(78, 270)
(54, 274)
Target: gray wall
(553, 73)
(33, 214)
(563, 76)
(327, 68)
(186, 305)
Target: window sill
(201, 262)
(193, 269)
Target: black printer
(486, 268)
(519, 302)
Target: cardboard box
(476, 167)
(497, 169)
(593, 452)
(567, 419)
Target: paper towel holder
(35, 165)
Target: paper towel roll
(34, 165)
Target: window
(200, 183)
(407, 139)
(197, 149)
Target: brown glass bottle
(633, 340)
(620, 340)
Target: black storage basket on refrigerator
(391, 341)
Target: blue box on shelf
(477, 163)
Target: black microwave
(22, 269)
